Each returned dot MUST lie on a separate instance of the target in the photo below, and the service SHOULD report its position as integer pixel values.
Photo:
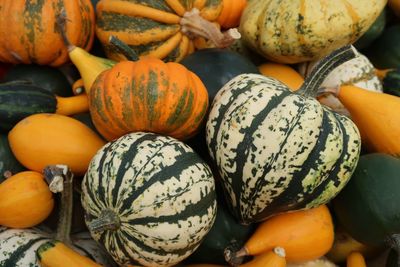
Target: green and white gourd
(18, 247)
(149, 199)
(358, 71)
(279, 151)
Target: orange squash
(282, 73)
(56, 254)
(356, 259)
(304, 235)
(29, 33)
(45, 139)
(25, 200)
(231, 13)
(375, 116)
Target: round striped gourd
(358, 71)
(18, 247)
(30, 33)
(165, 29)
(149, 199)
(278, 150)
(148, 95)
(293, 31)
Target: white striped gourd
(277, 150)
(149, 199)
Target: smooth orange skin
(144, 95)
(62, 256)
(305, 235)
(375, 116)
(231, 13)
(25, 200)
(355, 259)
(282, 73)
(46, 139)
(38, 41)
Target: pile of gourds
(199, 133)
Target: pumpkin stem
(107, 220)
(313, 81)
(394, 243)
(193, 25)
(123, 48)
(60, 179)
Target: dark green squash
(391, 82)
(384, 52)
(368, 207)
(50, 79)
(374, 31)
(8, 163)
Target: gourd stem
(72, 105)
(193, 25)
(235, 258)
(313, 81)
(394, 243)
(60, 179)
(107, 220)
(123, 48)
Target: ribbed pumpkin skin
(151, 27)
(18, 247)
(30, 33)
(162, 192)
(278, 151)
(291, 31)
(148, 95)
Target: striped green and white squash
(18, 247)
(149, 199)
(279, 151)
(358, 71)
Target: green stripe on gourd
(276, 150)
(157, 195)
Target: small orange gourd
(57, 254)
(46, 139)
(25, 200)
(305, 235)
(356, 259)
(375, 115)
(231, 13)
(282, 73)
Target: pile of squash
(200, 133)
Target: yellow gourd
(283, 73)
(356, 259)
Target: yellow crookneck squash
(293, 31)
(165, 29)
(30, 35)
(25, 200)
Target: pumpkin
(297, 31)
(149, 199)
(21, 100)
(44, 139)
(304, 235)
(25, 200)
(18, 246)
(31, 35)
(278, 150)
(355, 259)
(231, 13)
(367, 207)
(167, 30)
(48, 78)
(358, 71)
(371, 112)
(57, 254)
(9, 165)
(283, 73)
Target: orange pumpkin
(29, 33)
(148, 95)
(231, 13)
(25, 200)
(45, 139)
